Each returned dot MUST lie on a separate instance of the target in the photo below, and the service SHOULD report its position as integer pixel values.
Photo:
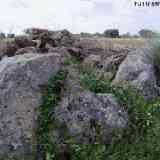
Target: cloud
(77, 15)
(17, 3)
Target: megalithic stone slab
(20, 94)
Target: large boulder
(63, 51)
(19, 45)
(77, 52)
(89, 117)
(24, 41)
(138, 70)
(35, 32)
(21, 78)
(104, 63)
(92, 61)
(111, 63)
(26, 50)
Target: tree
(126, 35)
(10, 35)
(84, 34)
(2, 35)
(97, 34)
(111, 33)
(146, 33)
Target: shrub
(2, 36)
(126, 35)
(111, 33)
(146, 33)
(156, 52)
(156, 58)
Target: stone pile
(40, 41)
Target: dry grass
(115, 42)
(3, 45)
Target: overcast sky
(77, 15)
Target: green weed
(51, 97)
(141, 139)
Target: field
(114, 42)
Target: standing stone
(90, 118)
(138, 70)
(20, 80)
(26, 50)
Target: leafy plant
(51, 96)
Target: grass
(156, 58)
(51, 97)
(129, 42)
(140, 140)
(4, 44)
(156, 52)
(106, 43)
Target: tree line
(108, 33)
(114, 33)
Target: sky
(77, 15)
